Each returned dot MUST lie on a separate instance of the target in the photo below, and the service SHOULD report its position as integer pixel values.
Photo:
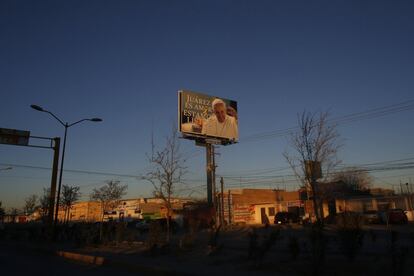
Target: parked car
(163, 223)
(371, 217)
(349, 219)
(395, 216)
(144, 225)
(286, 217)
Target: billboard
(206, 116)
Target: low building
(259, 206)
(127, 209)
(84, 211)
(373, 203)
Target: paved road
(18, 261)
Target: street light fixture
(66, 126)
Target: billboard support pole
(222, 201)
(229, 205)
(214, 186)
(213, 176)
(209, 171)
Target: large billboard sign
(204, 116)
(14, 137)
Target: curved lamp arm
(92, 120)
(54, 116)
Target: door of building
(263, 216)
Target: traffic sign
(14, 137)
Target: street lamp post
(66, 126)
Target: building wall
(246, 204)
(372, 203)
(270, 210)
(86, 211)
(128, 209)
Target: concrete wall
(246, 204)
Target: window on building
(271, 211)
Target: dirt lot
(243, 250)
(379, 250)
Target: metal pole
(213, 182)
(222, 201)
(52, 195)
(60, 175)
(209, 175)
(229, 205)
(409, 197)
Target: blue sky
(124, 61)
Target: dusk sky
(124, 61)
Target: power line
(353, 117)
(365, 167)
(74, 171)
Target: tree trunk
(168, 225)
(315, 199)
(68, 215)
(64, 215)
(101, 225)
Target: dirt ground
(383, 251)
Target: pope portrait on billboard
(204, 115)
(220, 123)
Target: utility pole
(222, 201)
(209, 170)
(213, 175)
(60, 175)
(229, 205)
(56, 147)
(409, 197)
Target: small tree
(109, 196)
(14, 212)
(30, 204)
(356, 180)
(70, 194)
(315, 141)
(166, 172)
(44, 201)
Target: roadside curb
(99, 261)
(88, 259)
(145, 269)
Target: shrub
(351, 235)
(253, 243)
(293, 247)
(318, 243)
(155, 237)
(267, 243)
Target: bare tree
(14, 212)
(30, 204)
(355, 179)
(109, 196)
(166, 172)
(70, 194)
(44, 201)
(315, 143)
